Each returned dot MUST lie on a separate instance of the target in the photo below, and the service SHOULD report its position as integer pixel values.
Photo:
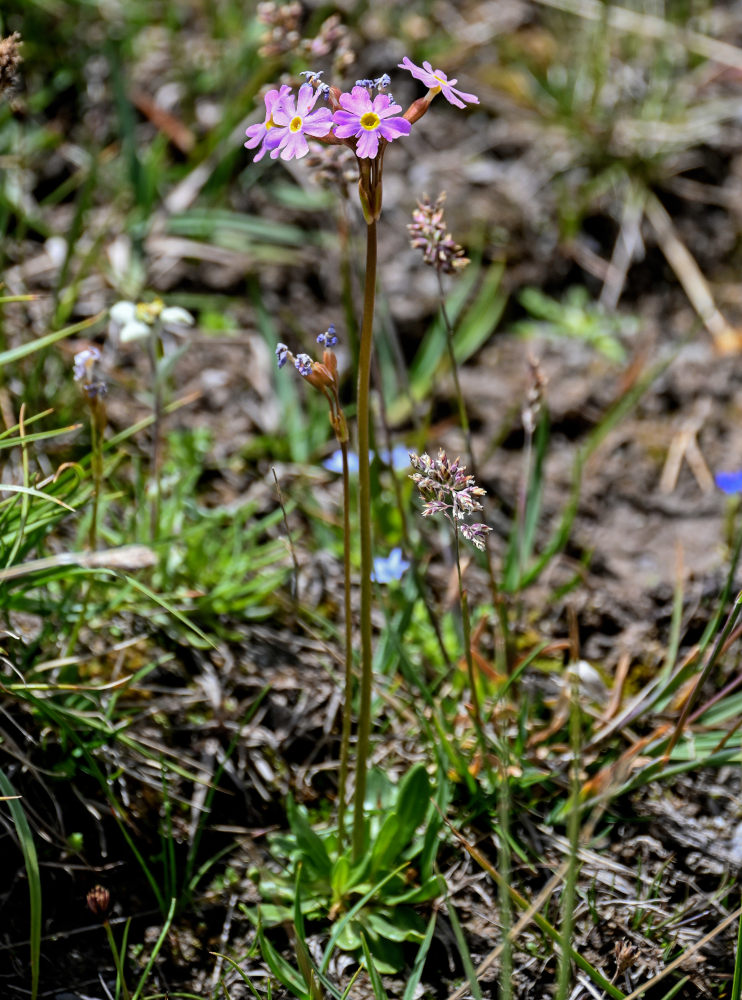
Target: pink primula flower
(437, 81)
(294, 121)
(259, 134)
(366, 120)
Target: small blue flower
(398, 458)
(282, 353)
(383, 83)
(303, 364)
(334, 463)
(390, 568)
(328, 338)
(729, 482)
(312, 76)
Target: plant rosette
(374, 899)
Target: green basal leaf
(431, 888)
(388, 844)
(311, 847)
(340, 878)
(400, 924)
(413, 802)
(350, 936)
(388, 955)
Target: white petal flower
(123, 312)
(177, 315)
(134, 330)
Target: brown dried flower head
(10, 60)
(428, 233)
(625, 954)
(99, 901)
(282, 24)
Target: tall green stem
(348, 699)
(364, 517)
(154, 516)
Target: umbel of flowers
(366, 119)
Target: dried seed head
(282, 24)
(428, 233)
(537, 382)
(625, 954)
(99, 901)
(447, 489)
(10, 60)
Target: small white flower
(177, 315)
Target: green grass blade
(469, 970)
(31, 862)
(422, 953)
(156, 950)
(23, 350)
(737, 981)
(373, 973)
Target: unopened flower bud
(99, 901)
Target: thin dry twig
(727, 340)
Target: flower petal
(134, 330)
(122, 312)
(729, 482)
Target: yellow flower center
(148, 312)
(269, 123)
(295, 124)
(370, 121)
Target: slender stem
(502, 649)
(463, 416)
(466, 624)
(523, 501)
(348, 700)
(156, 432)
(116, 960)
(364, 517)
(95, 457)
(96, 462)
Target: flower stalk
(364, 517)
(94, 389)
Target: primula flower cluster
(365, 119)
(447, 489)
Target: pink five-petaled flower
(437, 81)
(294, 121)
(366, 120)
(260, 133)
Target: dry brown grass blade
(126, 557)
(177, 132)
(650, 26)
(726, 339)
